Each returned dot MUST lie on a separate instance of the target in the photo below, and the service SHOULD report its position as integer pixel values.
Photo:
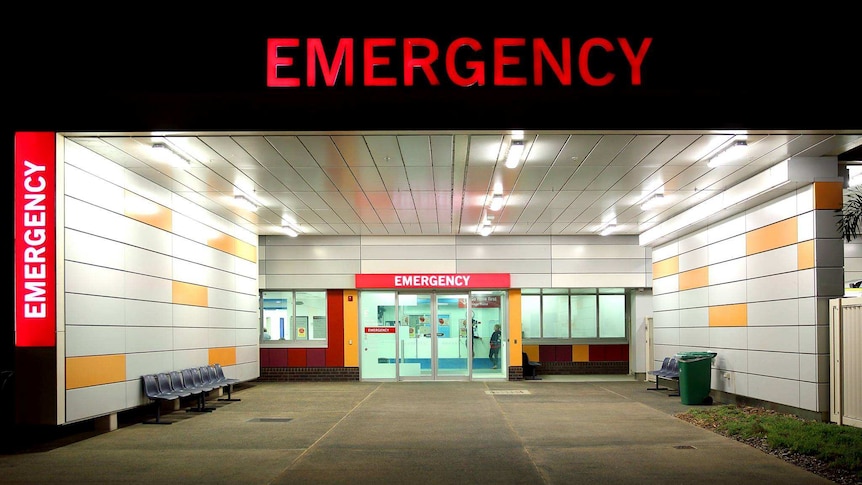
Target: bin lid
(695, 355)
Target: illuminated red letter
(411, 63)
(372, 61)
(635, 60)
(477, 68)
(583, 62)
(272, 63)
(316, 56)
(563, 72)
(501, 61)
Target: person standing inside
(494, 347)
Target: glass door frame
(436, 331)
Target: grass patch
(839, 447)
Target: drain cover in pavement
(509, 391)
(269, 420)
(685, 447)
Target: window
(573, 314)
(293, 316)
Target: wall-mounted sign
(35, 239)
(457, 280)
(515, 61)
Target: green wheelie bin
(694, 377)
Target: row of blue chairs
(669, 371)
(194, 382)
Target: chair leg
(228, 395)
(158, 419)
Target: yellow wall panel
(95, 370)
(773, 236)
(222, 356)
(828, 195)
(232, 245)
(728, 315)
(189, 294)
(665, 267)
(532, 352)
(515, 344)
(351, 328)
(805, 255)
(246, 251)
(581, 353)
(696, 278)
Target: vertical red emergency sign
(35, 239)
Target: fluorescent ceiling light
(496, 202)
(730, 153)
(854, 173)
(166, 152)
(245, 202)
(485, 228)
(653, 202)
(513, 156)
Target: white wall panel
(773, 313)
(807, 283)
(90, 219)
(245, 320)
(189, 338)
(221, 337)
(620, 265)
(694, 317)
(781, 260)
(728, 337)
(778, 287)
(669, 318)
(245, 268)
(94, 191)
(197, 274)
(727, 249)
(93, 310)
(147, 262)
(694, 337)
(772, 212)
(311, 282)
(808, 311)
(539, 266)
(408, 266)
(665, 335)
(248, 303)
(697, 258)
(250, 336)
(82, 278)
(666, 284)
(777, 390)
(773, 339)
(246, 371)
(525, 251)
(805, 199)
(726, 229)
(728, 271)
(247, 353)
(814, 396)
(148, 339)
(87, 340)
(805, 226)
(784, 365)
(202, 254)
(670, 250)
(147, 287)
(693, 241)
(184, 359)
(733, 360)
(139, 313)
(221, 299)
(408, 251)
(299, 266)
(246, 285)
(669, 301)
(141, 363)
(597, 280)
(697, 297)
(88, 249)
(87, 402)
(142, 235)
(202, 317)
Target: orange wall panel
(805, 255)
(773, 236)
(665, 267)
(147, 211)
(189, 294)
(828, 195)
(580, 353)
(515, 344)
(222, 356)
(95, 370)
(350, 339)
(696, 278)
(728, 315)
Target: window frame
(569, 292)
(293, 342)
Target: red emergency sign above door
(456, 280)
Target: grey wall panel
(598, 252)
(596, 280)
(272, 242)
(503, 252)
(616, 265)
(694, 317)
(613, 240)
(784, 365)
(408, 266)
(519, 280)
(309, 282)
(777, 287)
(369, 242)
(94, 310)
(84, 340)
(408, 252)
(668, 318)
(829, 252)
(504, 266)
(95, 401)
(503, 240)
(773, 339)
(300, 266)
(312, 251)
(728, 338)
(830, 281)
(698, 297)
(773, 313)
(694, 337)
